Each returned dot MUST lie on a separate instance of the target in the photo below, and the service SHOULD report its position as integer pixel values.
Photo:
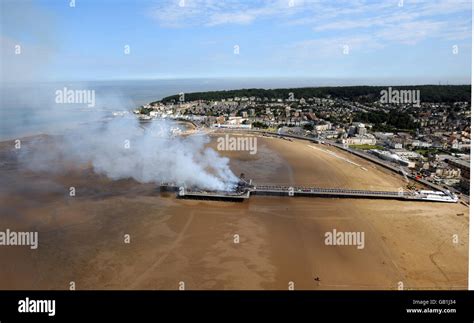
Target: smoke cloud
(118, 148)
(122, 148)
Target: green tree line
(428, 93)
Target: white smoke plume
(121, 148)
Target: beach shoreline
(281, 240)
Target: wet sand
(281, 239)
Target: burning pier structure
(244, 189)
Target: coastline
(281, 240)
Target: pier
(295, 191)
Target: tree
(309, 127)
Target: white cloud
(213, 12)
(413, 22)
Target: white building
(421, 144)
(386, 155)
(367, 139)
(154, 114)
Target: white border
(471, 186)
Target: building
(394, 158)
(395, 145)
(420, 144)
(463, 165)
(383, 135)
(408, 154)
(359, 140)
(361, 130)
(351, 131)
(322, 126)
(447, 172)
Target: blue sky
(407, 41)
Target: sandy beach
(281, 239)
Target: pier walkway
(295, 191)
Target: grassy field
(365, 147)
(427, 151)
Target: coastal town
(300, 158)
(428, 141)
